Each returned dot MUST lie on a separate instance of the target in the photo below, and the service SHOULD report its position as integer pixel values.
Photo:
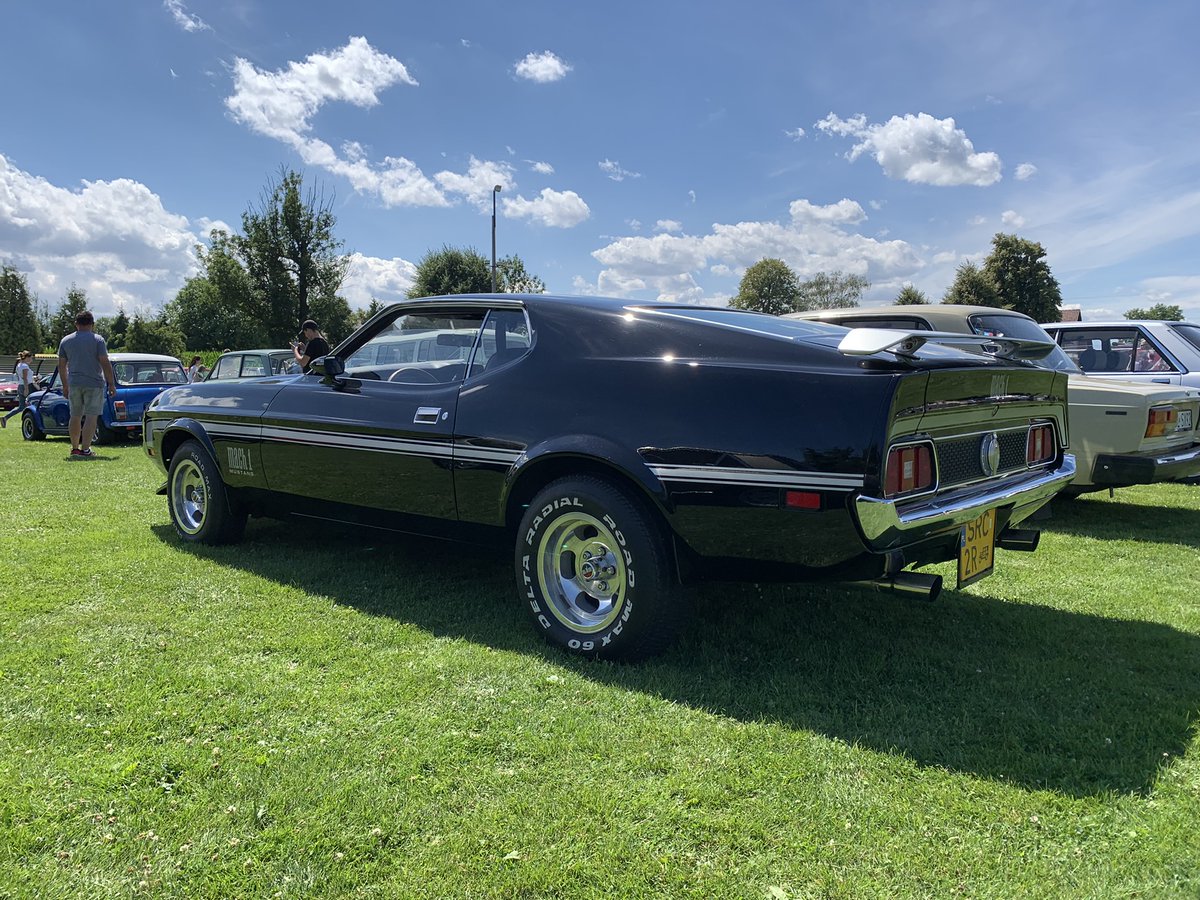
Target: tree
(831, 290)
(1022, 277)
(512, 278)
(333, 314)
(153, 336)
(1159, 311)
(972, 287)
(769, 286)
(290, 254)
(452, 271)
(910, 296)
(62, 322)
(19, 328)
(361, 316)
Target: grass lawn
(335, 713)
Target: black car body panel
(714, 419)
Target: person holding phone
(314, 347)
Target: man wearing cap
(314, 347)
(83, 370)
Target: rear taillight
(909, 470)
(1039, 445)
(119, 409)
(1161, 421)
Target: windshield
(990, 325)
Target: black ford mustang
(626, 449)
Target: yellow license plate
(977, 549)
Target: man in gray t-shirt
(83, 370)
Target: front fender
(162, 440)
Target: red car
(8, 391)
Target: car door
(1128, 352)
(381, 436)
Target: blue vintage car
(140, 378)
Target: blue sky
(649, 150)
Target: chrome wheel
(189, 496)
(581, 572)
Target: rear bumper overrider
(887, 525)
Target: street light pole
(495, 191)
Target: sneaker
(76, 453)
(89, 453)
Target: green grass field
(334, 713)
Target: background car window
(227, 367)
(252, 367)
(904, 323)
(1100, 349)
(1022, 329)
(1190, 333)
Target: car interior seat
(1092, 359)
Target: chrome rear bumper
(887, 525)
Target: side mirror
(328, 367)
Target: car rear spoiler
(868, 341)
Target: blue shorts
(86, 401)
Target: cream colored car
(1121, 432)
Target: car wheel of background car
(29, 429)
(201, 507)
(105, 435)
(594, 569)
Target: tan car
(1121, 432)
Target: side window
(1147, 357)
(422, 347)
(227, 367)
(252, 367)
(505, 339)
(123, 372)
(1100, 349)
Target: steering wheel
(417, 376)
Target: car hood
(1113, 390)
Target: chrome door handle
(427, 415)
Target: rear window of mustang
(757, 323)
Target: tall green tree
(910, 296)
(334, 315)
(972, 286)
(452, 270)
(154, 336)
(768, 286)
(1159, 311)
(1022, 277)
(19, 327)
(219, 308)
(513, 278)
(372, 309)
(290, 253)
(62, 322)
(831, 290)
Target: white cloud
(844, 212)
(183, 19)
(669, 226)
(815, 240)
(476, 185)
(281, 105)
(1025, 171)
(634, 224)
(542, 67)
(370, 277)
(977, 220)
(795, 134)
(1012, 218)
(542, 168)
(692, 196)
(113, 239)
(556, 209)
(613, 170)
(919, 149)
